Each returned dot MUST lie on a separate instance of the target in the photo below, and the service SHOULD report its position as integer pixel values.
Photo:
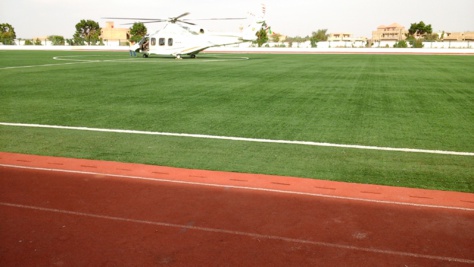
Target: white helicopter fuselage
(177, 40)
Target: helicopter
(180, 37)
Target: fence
(323, 47)
(379, 44)
(110, 43)
(440, 45)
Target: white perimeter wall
(426, 50)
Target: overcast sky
(35, 18)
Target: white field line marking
(306, 143)
(74, 62)
(133, 60)
(240, 233)
(46, 65)
(258, 189)
(126, 60)
(79, 60)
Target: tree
(418, 43)
(414, 42)
(431, 37)
(56, 40)
(76, 40)
(137, 31)
(418, 32)
(296, 39)
(7, 34)
(320, 35)
(87, 31)
(262, 36)
(419, 29)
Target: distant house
(112, 34)
(340, 37)
(459, 36)
(393, 32)
(345, 37)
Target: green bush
(418, 43)
(401, 44)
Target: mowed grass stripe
(231, 138)
(430, 171)
(399, 101)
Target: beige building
(459, 36)
(110, 33)
(392, 32)
(274, 36)
(340, 37)
(345, 37)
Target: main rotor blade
(135, 19)
(219, 19)
(145, 22)
(182, 15)
(172, 19)
(155, 21)
(175, 19)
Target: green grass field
(397, 101)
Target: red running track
(69, 212)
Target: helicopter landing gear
(145, 55)
(193, 56)
(178, 57)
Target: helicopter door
(144, 43)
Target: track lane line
(244, 139)
(239, 233)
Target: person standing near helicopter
(145, 44)
(131, 45)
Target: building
(334, 37)
(393, 32)
(277, 37)
(458, 36)
(345, 37)
(110, 34)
